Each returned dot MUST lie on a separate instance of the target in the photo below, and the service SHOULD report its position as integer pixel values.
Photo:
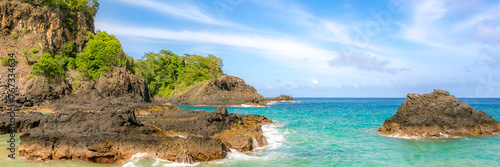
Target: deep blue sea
(335, 132)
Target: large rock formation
(241, 132)
(27, 26)
(438, 114)
(110, 137)
(225, 90)
(117, 89)
(163, 131)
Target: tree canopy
(166, 71)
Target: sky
(324, 48)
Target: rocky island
(438, 114)
(76, 100)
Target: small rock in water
(221, 110)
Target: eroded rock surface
(111, 137)
(438, 114)
(166, 132)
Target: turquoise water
(338, 132)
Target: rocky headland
(110, 117)
(438, 114)
(222, 91)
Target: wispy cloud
(283, 50)
(365, 63)
(180, 10)
(487, 31)
(423, 29)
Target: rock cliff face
(225, 90)
(118, 89)
(438, 114)
(26, 26)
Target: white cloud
(284, 50)
(314, 81)
(180, 10)
(423, 29)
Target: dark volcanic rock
(118, 89)
(225, 90)
(110, 137)
(221, 110)
(163, 131)
(23, 121)
(241, 132)
(438, 114)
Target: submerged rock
(438, 114)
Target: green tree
(48, 66)
(101, 54)
(166, 71)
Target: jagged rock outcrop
(111, 137)
(117, 89)
(46, 29)
(163, 131)
(225, 90)
(241, 132)
(438, 114)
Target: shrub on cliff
(101, 54)
(7, 60)
(48, 66)
(88, 6)
(166, 71)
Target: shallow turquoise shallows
(333, 132)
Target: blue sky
(335, 48)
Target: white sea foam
(272, 103)
(401, 135)
(157, 161)
(275, 138)
(247, 106)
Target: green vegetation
(48, 66)
(101, 54)
(26, 31)
(14, 35)
(166, 71)
(7, 60)
(86, 6)
(31, 56)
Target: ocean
(330, 132)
